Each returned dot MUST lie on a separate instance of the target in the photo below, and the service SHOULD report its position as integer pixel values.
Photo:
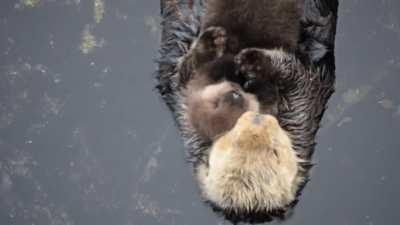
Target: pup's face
(215, 108)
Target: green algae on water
(88, 41)
(30, 3)
(99, 9)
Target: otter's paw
(210, 45)
(254, 65)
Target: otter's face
(251, 168)
(215, 108)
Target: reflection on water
(84, 138)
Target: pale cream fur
(252, 167)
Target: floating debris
(30, 3)
(99, 9)
(344, 121)
(350, 98)
(147, 206)
(150, 169)
(89, 41)
(353, 96)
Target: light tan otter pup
(252, 167)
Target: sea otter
(237, 70)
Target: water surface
(85, 139)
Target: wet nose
(263, 119)
(234, 98)
(257, 119)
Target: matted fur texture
(247, 169)
(301, 101)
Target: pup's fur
(296, 96)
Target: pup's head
(215, 100)
(214, 109)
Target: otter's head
(252, 169)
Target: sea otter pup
(227, 28)
(237, 71)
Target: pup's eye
(236, 95)
(233, 99)
(229, 99)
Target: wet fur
(252, 71)
(257, 23)
(302, 97)
(228, 27)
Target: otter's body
(257, 23)
(248, 64)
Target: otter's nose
(263, 119)
(234, 98)
(257, 119)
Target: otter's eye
(236, 95)
(233, 98)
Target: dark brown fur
(239, 24)
(213, 64)
(302, 95)
(257, 23)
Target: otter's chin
(252, 168)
